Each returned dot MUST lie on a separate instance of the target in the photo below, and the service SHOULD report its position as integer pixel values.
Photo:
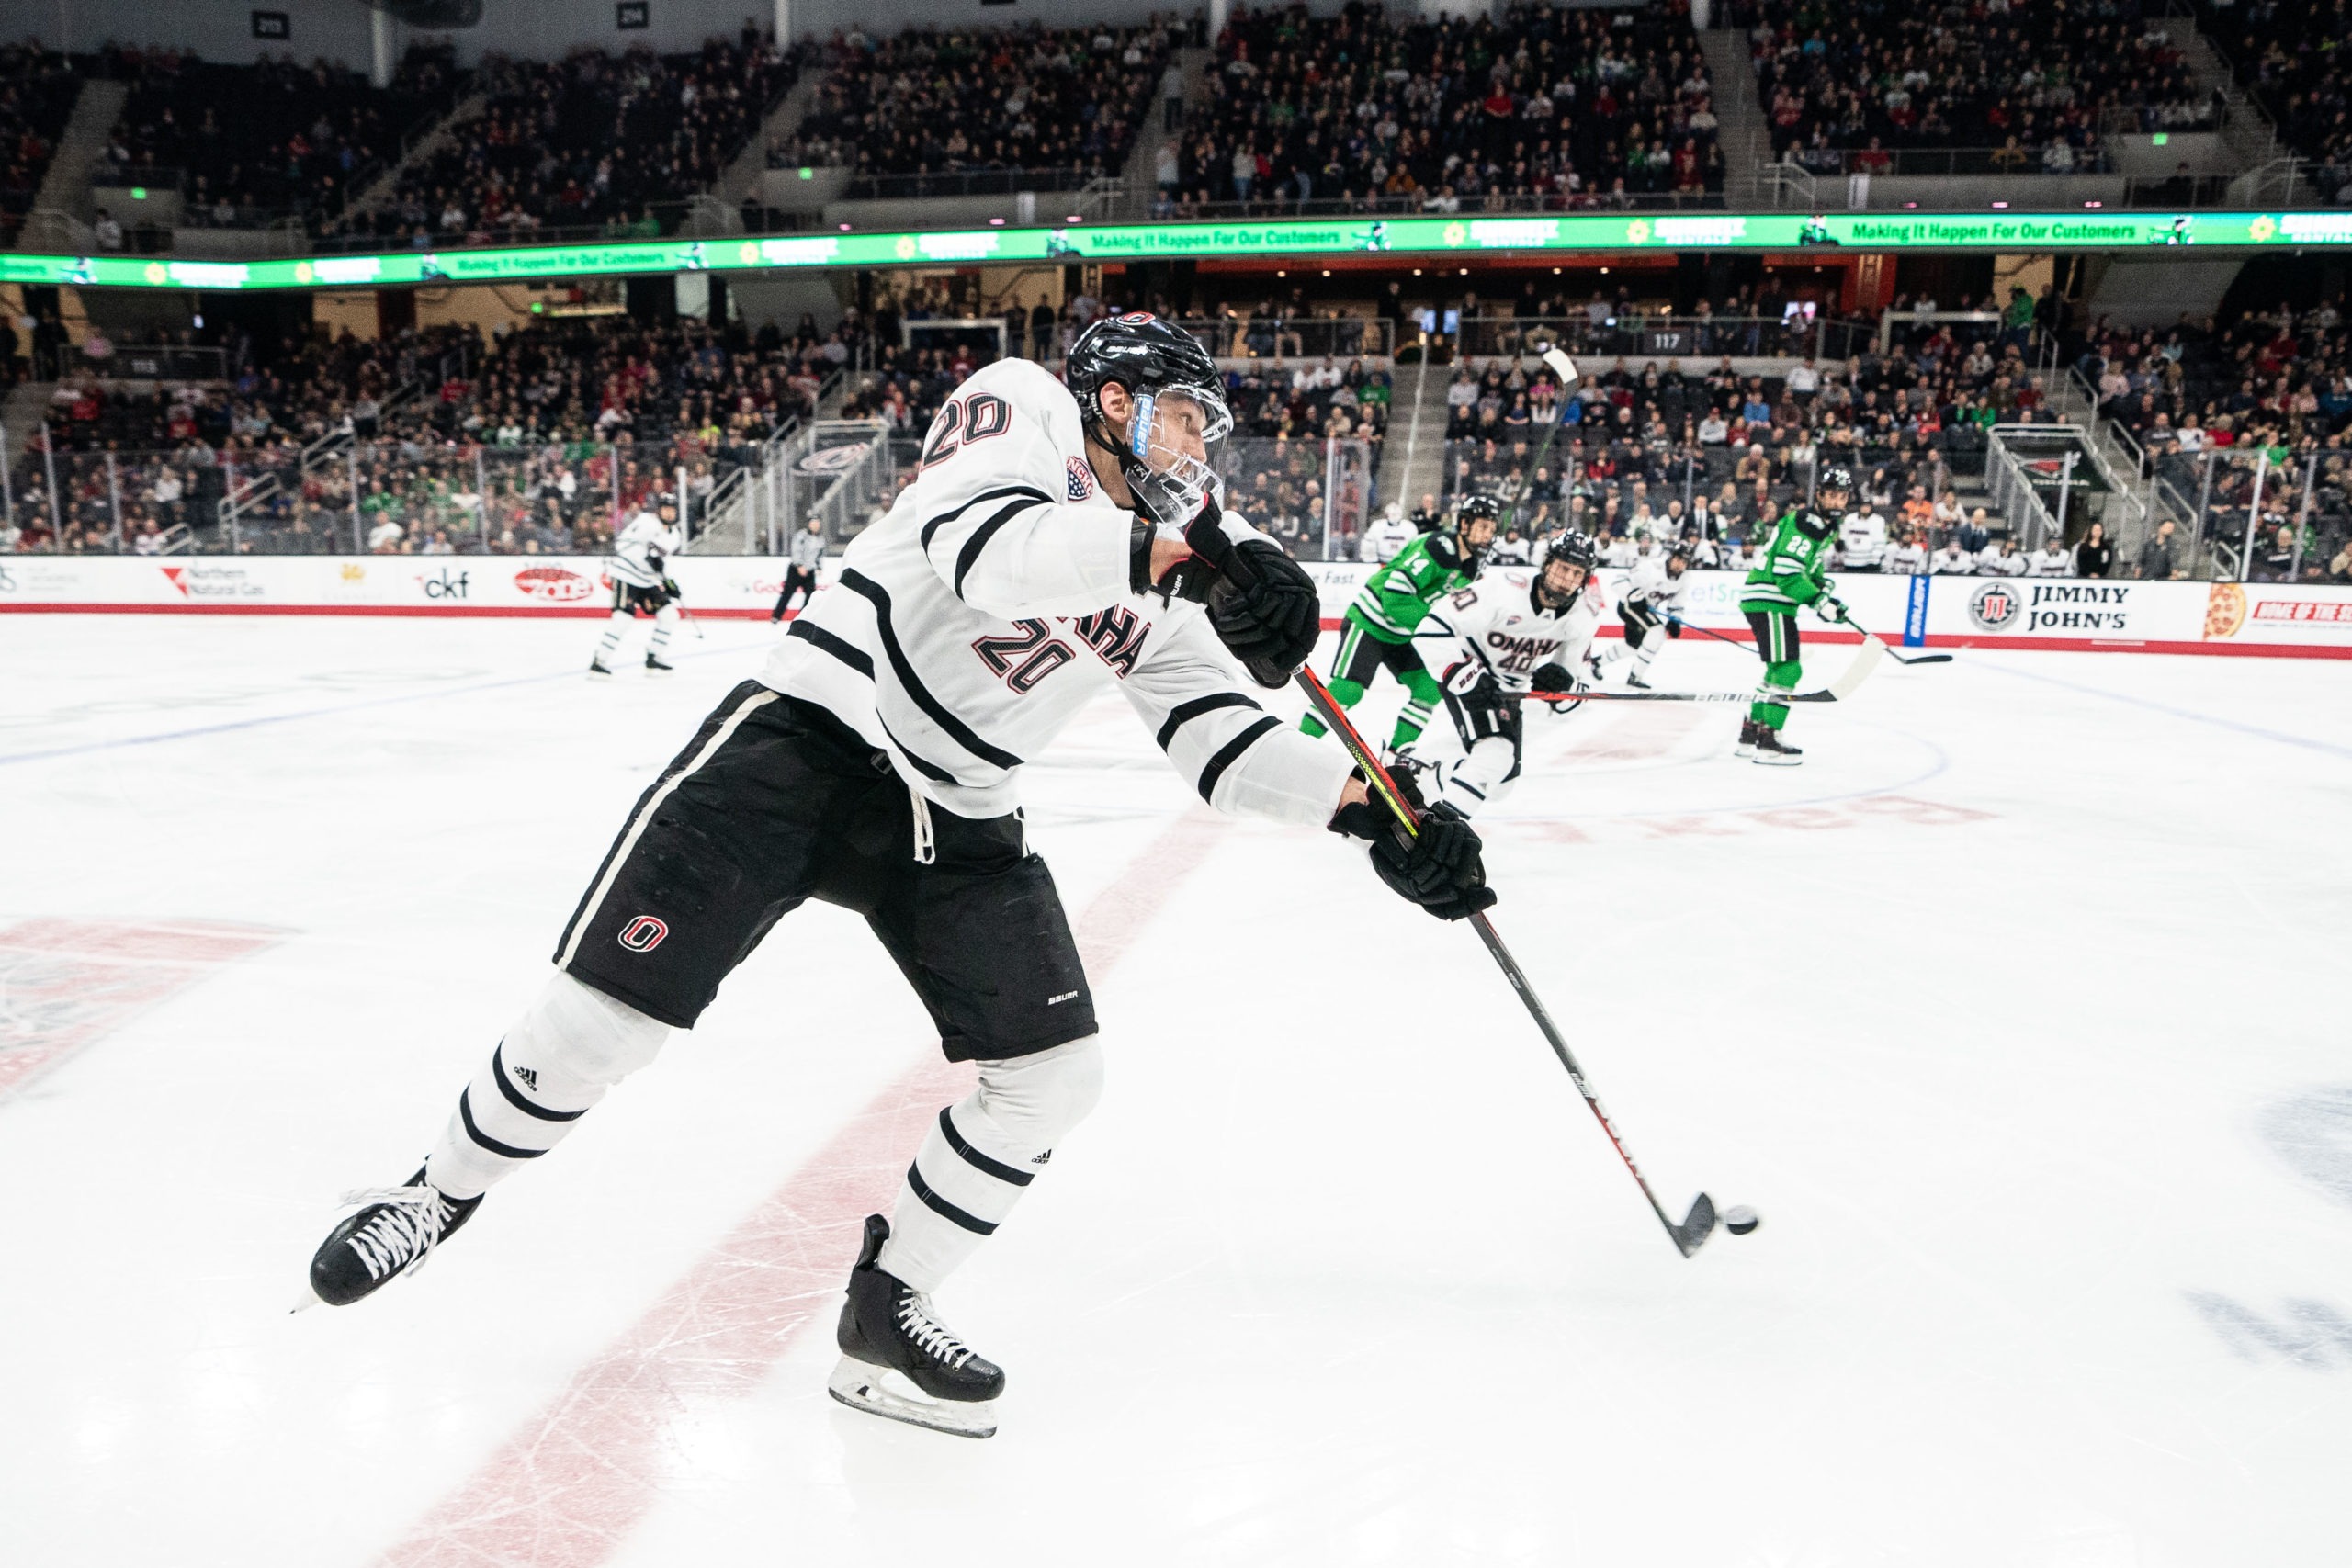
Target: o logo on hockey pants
(643, 934)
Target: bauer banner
(1296, 239)
(1944, 611)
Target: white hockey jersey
(1650, 579)
(1908, 558)
(1862, 537)
(1383, 537)
(639, 550)
(1495, 621)
(2051, 560)
(971, 625)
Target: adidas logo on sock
(530, 1077)
(1043, 1159)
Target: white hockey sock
(981, 1155)
(663, 619)
(612, 642)
(562, 1055)
(1647, 651)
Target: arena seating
(933, 112)
(2031, 88)
(596, 139)
(1546, 107)
(36, 93)
(253, 143)
(2290, 55)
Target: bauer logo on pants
(643, 934)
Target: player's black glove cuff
(1549, 679)
(1139, 539)
(1261, 604)
(1441, 867)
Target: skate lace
(932, 1337)
(401, 1238)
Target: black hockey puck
(1739, 1219)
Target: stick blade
(1859, 671)
(1926, 659)
(1562, 365)
(1693, 1232)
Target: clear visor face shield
(1561, 582)
(1173, 439)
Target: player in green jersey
(1795, 572)
(1377, 630)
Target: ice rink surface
(2019, 1010)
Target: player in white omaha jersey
(1514, 634)
(1057, 540)
(638, 567)
(1387, 534)
(1651, 609)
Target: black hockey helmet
(1571, 547)
(1836, 477)
(1472, 509)
(1161, 365)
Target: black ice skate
(1771, 752)
(1747, 730)
(598, 669)
(393, 1232)
(1634, 679)
(654, 666)
(891, 1341)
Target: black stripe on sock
(507, 1151)
(1185, 713)
(945, 1210)
(1230, 753)
(515, 1095)
(980, 1161)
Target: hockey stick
(1566, 369)
(1693, 1232)
(1898, 658)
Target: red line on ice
(64, 983)
(566, 1490)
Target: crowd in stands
(616, 142)
(36, 93)
(249, 143)
(2247, 420)
(2031, 86)
(2290, 54)
(1546, 106)
(934, 103)
(529, 441)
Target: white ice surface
(2018, 1011)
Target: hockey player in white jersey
(1387, 534)
(1510, 635)
(1057, 540)
(639, 569)
(1652, 610)
(1861, 539)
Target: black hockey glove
(1674, 625)
(1552, 680)
(1440, 867)
(1261, 604)
(670, 586)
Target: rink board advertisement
(1945, 611)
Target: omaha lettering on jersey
(1497, 622)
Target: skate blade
(1767, 760)
(863, 1386)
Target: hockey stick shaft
(1336, 719)
(1565, 369)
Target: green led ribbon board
(1300, 239)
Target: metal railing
(964, 182)
(1421, 204)
(1293, 337)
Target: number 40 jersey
(1497, 622)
